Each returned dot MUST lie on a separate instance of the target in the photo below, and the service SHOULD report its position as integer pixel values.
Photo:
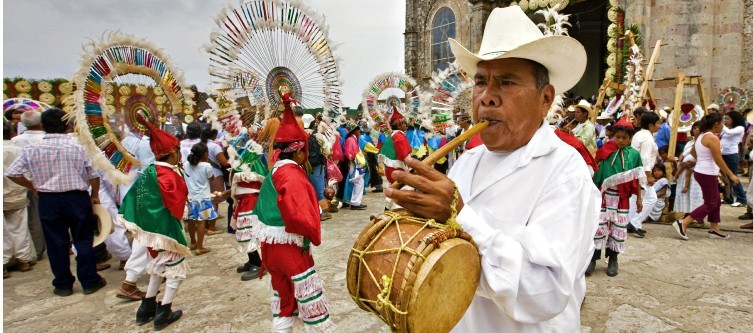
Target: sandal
(132, 295)
(214, 232)
(201, 251)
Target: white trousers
(357, 180)
(16, 237)
(658, 208)
(117, 242)
(136, 265)
(648, 197)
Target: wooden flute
(446, 149)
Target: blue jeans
(732, 163)
(317, 180)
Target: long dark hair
(197, 152)
(708, 121)
(208, 133)
(737, 118)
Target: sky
(42, 39)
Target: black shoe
(165, 316)
(612, 269)
(591, 267)
(359, 207)
(62, 292)
(630, 228)
(251, 274)
(377, 189)
(98, 286)
(345, 205)
(146, 311)
(230, 230)
(244, 268)
(639, 233)
(746, 216)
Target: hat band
(493, 53)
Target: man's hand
(638, 206)
(436, 192)
(95, 199)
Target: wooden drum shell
(435, 290)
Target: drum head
(440, 295)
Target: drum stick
(450, 146)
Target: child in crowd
(199, 175)
(151, 211)
(620, 172)
(287, 223)
(661, 186)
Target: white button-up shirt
(533, 220)
(643, 142)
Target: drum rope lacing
(383, 298)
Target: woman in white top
(708, 154)
(732, 135)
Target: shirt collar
(33, 132)
(56, 136)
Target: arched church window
(442, 27)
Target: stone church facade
(710, 38)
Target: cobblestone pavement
(665, 284)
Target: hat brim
(105, 224)
(564, 58)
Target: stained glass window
(442, 27)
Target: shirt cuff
(474, 225)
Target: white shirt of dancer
(533, 219)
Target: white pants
(357, 180)
(658, 208)
(117, 242)
(136, 265)
(648, 198)
(16, 237)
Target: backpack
(316, 158)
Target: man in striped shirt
(61, 176)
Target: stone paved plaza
(665, 284)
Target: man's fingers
(422, 169)
(415, 181)
(415, 202)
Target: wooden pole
(600, 100)
(650, 74)
(702, 93)
(675, 122)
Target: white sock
(153, 288)
(170, 292)
(282, 325)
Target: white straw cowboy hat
(509, 33)
(585, 105)
(104, 220)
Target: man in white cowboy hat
(602, 121)
(524, 196)
(712, 108)
(585, 131)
